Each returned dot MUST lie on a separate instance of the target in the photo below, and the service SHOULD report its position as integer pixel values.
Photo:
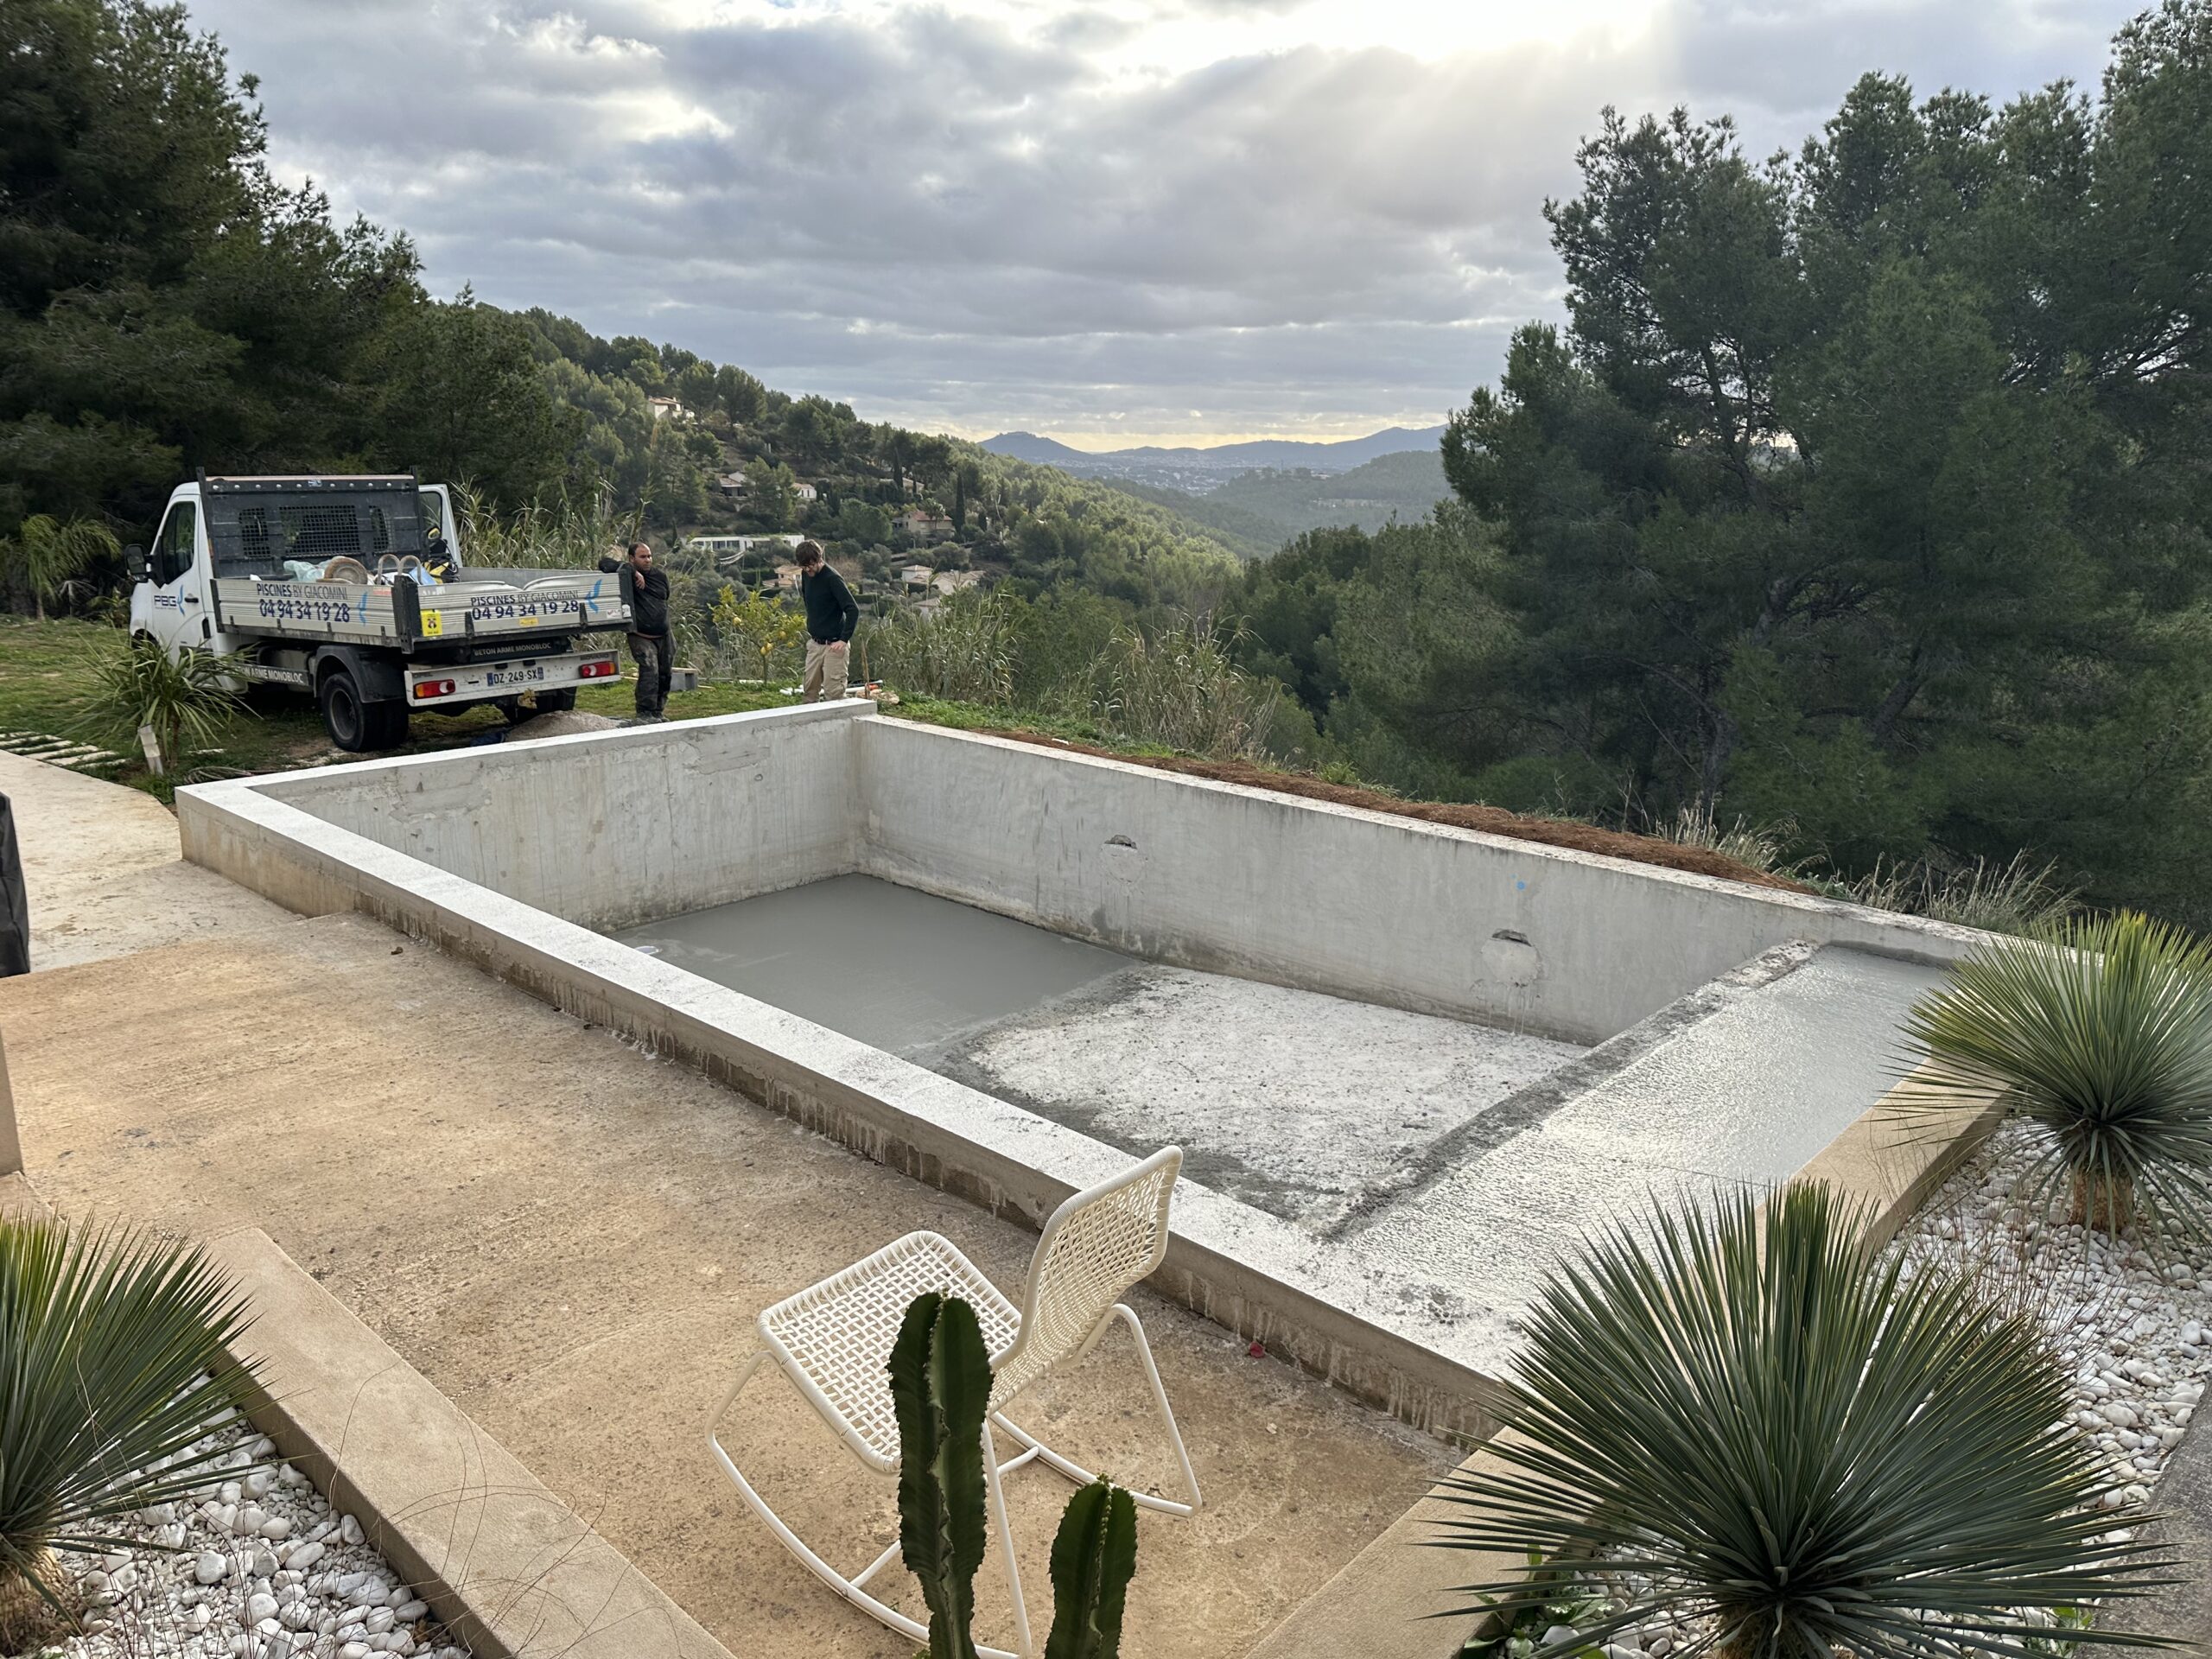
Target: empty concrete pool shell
(1410, 1063)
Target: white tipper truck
(323, 583)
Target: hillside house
(731, 483)
(915, 575)
(806, 492)
(667, 409)
(949, 582)
(925, 526)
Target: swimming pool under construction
(1409, 1064)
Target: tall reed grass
(561, 535)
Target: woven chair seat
(839, 1332)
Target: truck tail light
(601, 669)
(433, 687)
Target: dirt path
(102, 872)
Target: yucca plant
(2100, 1029)
(1735, 1415)
(113, 1367)
(187, 700)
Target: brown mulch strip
(1491, 820)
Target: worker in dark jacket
(831, 616)
(644, 590)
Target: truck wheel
(354, 724)
(344, 715)
(556, 702)
(387, 724)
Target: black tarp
(15, 910)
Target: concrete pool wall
(510, 855)
(610, 830)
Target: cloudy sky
(1116, 221)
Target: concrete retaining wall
(607, 830)
(1327, 898)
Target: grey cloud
(939, 220)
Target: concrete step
(1684, 1102)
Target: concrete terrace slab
(1286, 1099)
(570, 1239)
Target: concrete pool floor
(1290, 1100)
(570, 1239)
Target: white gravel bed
(2132, 1327)
(261, 1568)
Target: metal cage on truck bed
(256, 524)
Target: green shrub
(1766, 1428)
(2017, 897)
(559, 535)
(49, 556)
(113, 1366)
(1764, 846)
(2100, 1031)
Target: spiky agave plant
(2100, 1029)
(113, 1366)
(1769, 1431)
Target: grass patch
(981, 717)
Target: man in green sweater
(831, 616)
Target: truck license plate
(528, 675)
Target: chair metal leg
(1082, 1476)
(850, 1588)
(997, 1493)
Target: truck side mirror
(134, 562)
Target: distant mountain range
(1255, 512)
(1201, 470)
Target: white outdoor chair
(834, 1339)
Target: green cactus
(941, 1386)
(1094, 1558)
